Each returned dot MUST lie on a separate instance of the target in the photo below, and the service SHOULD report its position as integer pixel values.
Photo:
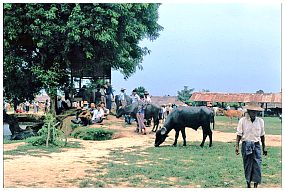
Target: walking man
(250, 130)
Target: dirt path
(66, 169)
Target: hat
(146, 93)
(135, 90)
(123, 89)
(253, 106)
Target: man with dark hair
(250, 130)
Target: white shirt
(135, 98)
(250, 131)
(148, 99)
(97, 114)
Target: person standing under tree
(98, 95)
(140, 115)
(109, 96)
(250, 130)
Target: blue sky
(221, 47)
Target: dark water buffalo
(118, 102)
(182, 117)
(151, 112)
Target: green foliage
(185, 94)
(36, 140)
(190, 166)
(74, 126)
(140, 90)
(89, 183)
(92, 134)
(39, 150)
(42, 40)
(49, 133)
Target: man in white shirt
(250, 130)
(98, 114)
(135, 97)
(122, 97)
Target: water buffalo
(118, 102)
(151, 112)
(182, 117)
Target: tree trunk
(52, 104)
(13, 123)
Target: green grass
(190, 166)
(273, 125)
(39, 151)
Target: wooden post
(48, 135)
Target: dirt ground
(66, 169)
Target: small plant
(48, 134)
(74, 126)
(91, 184)
(92, 134)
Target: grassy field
(189, 166)
(167, 166)
(273, 125)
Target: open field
(224, 124)
(131, 160)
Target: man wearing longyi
(250, 130)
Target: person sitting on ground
(106, 111)
(92, 108)
(85, 117)
(98, 115)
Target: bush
(92, 134)
(48, 132)
(74, 126)
(36, 141)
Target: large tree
(185, 94)
(46, 36)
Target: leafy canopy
(185, 94)
(46, 36)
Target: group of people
(142, 101)
(165, 110)
(26, 106)
(95, 114)
(104, 93)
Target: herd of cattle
(178, 119)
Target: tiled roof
(42, 98)
(237, 97)
(160, 100)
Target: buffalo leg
(176, 137)
(183, 136)
(204, 138)
(210, 137)
(155, 124)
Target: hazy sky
(221, 47)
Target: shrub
(48, 134)
(92, 134)
(36, 141)
(74, 126)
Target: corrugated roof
(237, 97)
